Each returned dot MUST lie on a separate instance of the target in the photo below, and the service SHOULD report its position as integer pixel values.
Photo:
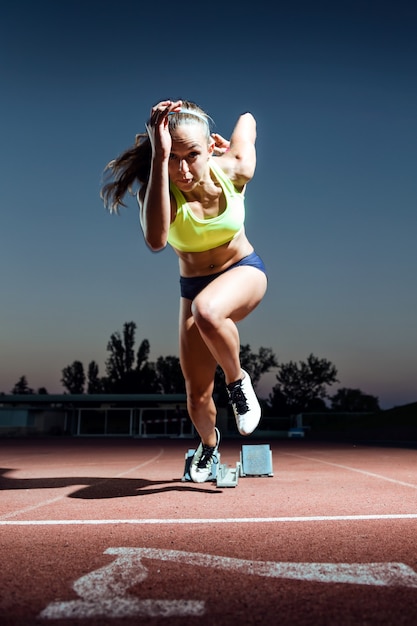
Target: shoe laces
(207, 457)
(238, 398)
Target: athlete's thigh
(235, 293)
(197, 363)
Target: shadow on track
(101, 488)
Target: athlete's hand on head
(221, 145)
(157, 126)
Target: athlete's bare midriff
(215, 260)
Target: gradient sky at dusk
(332, 207)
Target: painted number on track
(105, 592)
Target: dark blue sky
(332, 207)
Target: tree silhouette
(354, 400)
(94, 383)
(302, 387)
(73, 377)
(21, 387)
(121, 348)
(257, 364)
(123, 375)
(169, 375)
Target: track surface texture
(106, 532)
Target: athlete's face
(189, 156)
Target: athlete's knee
(206, 315)
(198, 399)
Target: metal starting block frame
(228, 476)
(255, 460)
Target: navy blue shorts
(191, 286)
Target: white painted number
(104, 592)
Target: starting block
(189, 457)
(256, 460)
(228, 476)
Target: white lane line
(29, 509)
(227, 520)
(61, 497)
(137, 467)
(354, 469)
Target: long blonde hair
(132, 167)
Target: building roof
(90, 399)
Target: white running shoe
(204, 456)
(245, 404)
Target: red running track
(104, 532)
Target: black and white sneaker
(245, 404)
(203, 459)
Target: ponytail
(129, 168)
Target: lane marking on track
(105, 591)
(226, 520)
(63, 496)
(29, 509)
(354, 469)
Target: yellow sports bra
(189, 233)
